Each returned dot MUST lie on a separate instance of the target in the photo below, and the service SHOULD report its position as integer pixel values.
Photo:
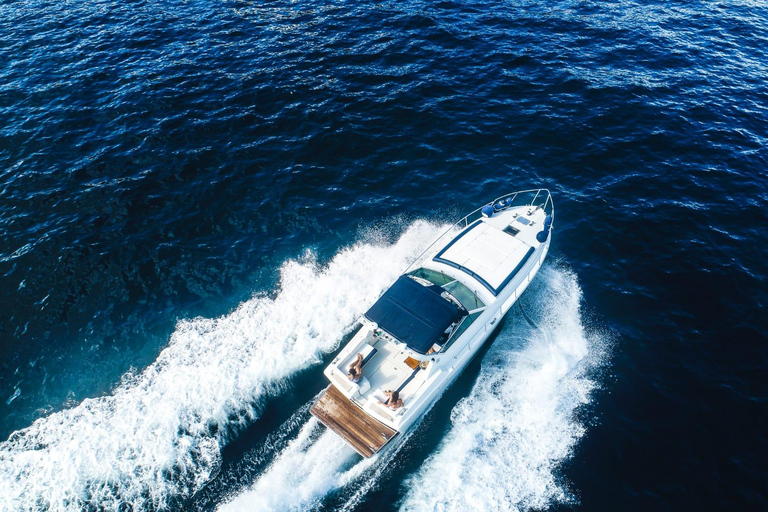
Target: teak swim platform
(365, 434)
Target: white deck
(385, 370)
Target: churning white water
(160, 433)
(314, 464)
(303, 473)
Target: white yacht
(428, 325)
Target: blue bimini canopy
(413, 313)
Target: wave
(158, 437)
(521, 420)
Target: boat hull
(514, 247)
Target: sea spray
(158, 436)
(520, 422)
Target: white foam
(159, 434)
(302, 474)
(519, 422)
(308, 469)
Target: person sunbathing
(356, 369)
(394, 402)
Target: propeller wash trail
(310, 467)
(158, 436)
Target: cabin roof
(490, 255)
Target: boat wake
(308, 469)
(158, 437)
(314, 464)
(520, 421)
(507, 438)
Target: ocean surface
(199, 199)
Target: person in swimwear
(394, 402)
(356, 369)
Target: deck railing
(537, 197)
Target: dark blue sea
(199, 199)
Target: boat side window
(461, 328)
(464, 295)
(432, 276)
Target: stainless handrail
(463, 223)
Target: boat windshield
(466, 322)
(432, 276)
(464, 295)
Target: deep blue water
(198, 199)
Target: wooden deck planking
(365, 434)
(412, 363)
